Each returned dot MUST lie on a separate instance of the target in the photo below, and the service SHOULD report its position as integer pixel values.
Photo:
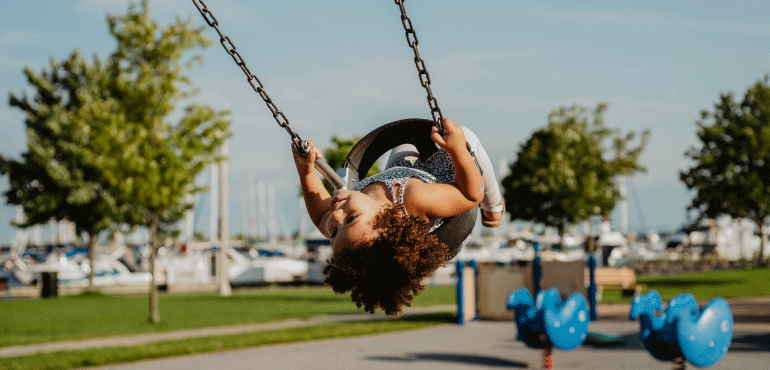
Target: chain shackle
(252, 79)
(422, 71)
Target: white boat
(73, 271)
(244, 270)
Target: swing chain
(411, 39)
(255, 83)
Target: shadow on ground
(742, 342)
(627, 341)
(460, 358)
(750, 342)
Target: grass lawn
(79, 317)
(88, 316)
(704, 285)
(104, 356)
(707, 285)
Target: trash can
(50, 285)
(6, 287)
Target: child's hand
(306, 164)
(454, 138)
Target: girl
(380, 231)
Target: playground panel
(495, 281)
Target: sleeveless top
(437, 169)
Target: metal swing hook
(322, 166)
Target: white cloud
(13, 63)
(502, 54)
(98, 8)
(17, 37)
(659, 20)
(166, 10)
(227, 12)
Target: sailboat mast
(623, 205)
(224, 233)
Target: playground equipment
(466, 291)
(684, 332)
(490, 283)
(547, 322)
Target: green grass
(707, 285)
(104, 356)
(89, 316)
(703, 285)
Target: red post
(679, 363)
(547, 352)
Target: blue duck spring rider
(683, 331)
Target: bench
(623, 279)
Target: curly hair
(386, 271)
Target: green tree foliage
(152, 163)
(732, 166)
(567, 171)
(58, 177)
(101, 149)
(336, 156)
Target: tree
(58, 177)
(101, 152)
(335, 157)
(732, 166)
(149, 162)
(566, 172)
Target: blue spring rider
(683, 331)
(548, 322)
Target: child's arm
(446, 200)
(317, 198)
(467, 176)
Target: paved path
(477, 345)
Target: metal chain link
(411, 39)
(251, 78)
(280, 118)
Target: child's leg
(492, 201)
(400, 152)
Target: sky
(497, 67)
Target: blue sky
(498, 67)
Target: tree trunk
(154, 311)
(562, 227)
(762, 235)
(91, 253)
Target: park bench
(623, 279)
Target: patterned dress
(437, 169)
